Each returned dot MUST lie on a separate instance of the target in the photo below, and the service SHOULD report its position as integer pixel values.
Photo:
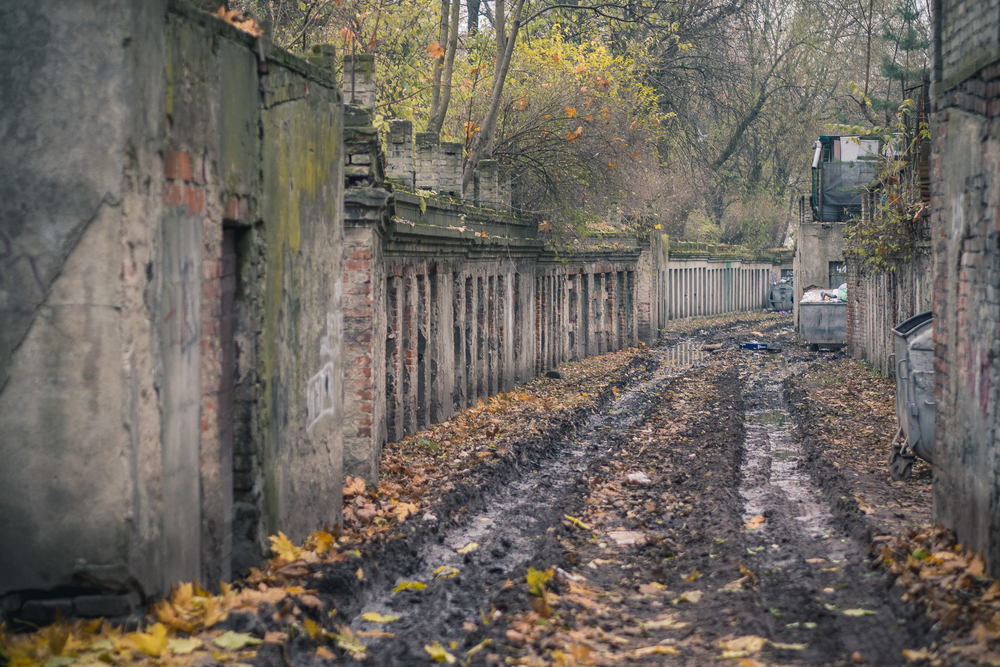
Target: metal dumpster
(823, 323)
(780, 296)
(914, 367)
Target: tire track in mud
(512, 527)
(816, 584)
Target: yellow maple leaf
(570, 111)
(283, 547)
(152, 642)
(574, 135)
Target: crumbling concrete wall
(172, 285)
(965, 192)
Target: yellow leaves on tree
(570, 111)
(471, 128)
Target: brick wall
(965, 192)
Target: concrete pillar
(449, 169)
(410, 379)
(359, 79)
(425, 160)
(399, 147)
(487, 184)
(460, 388)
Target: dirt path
(683, 522)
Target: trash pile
(814, 294)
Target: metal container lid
(909, 327)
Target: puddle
(507, 532)
(774, 476)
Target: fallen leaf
(360, 574)
(409, 585)
(537, 580)
(663, 622)
(325, 654)
(469, 548)
(183, 646)
(438, 653)
(747, 643)
(689, 596)
(789, 647)
(921, 655)
(234, 641)
(445, 572)
(650, 588)
(376, 633)
(152, 642)
(695, 574)
(858, 612)
(750, 575)
(275, 637)
(283, 548)
(375, 617)
(755, 523)
(816, 561)
(655, 650)
(576, 522)
(353, 486)
(348, 642)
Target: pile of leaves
(182, 629)
(951, 584)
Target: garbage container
(914, 368)
(780, 296)
(823, 323)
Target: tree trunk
(473, 6)
(439, 61)
(443, 91)
(482, 145)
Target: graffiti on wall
(321, 386)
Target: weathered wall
(172, 286)
(879, 301)
(965, 172)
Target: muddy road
(689, 518)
